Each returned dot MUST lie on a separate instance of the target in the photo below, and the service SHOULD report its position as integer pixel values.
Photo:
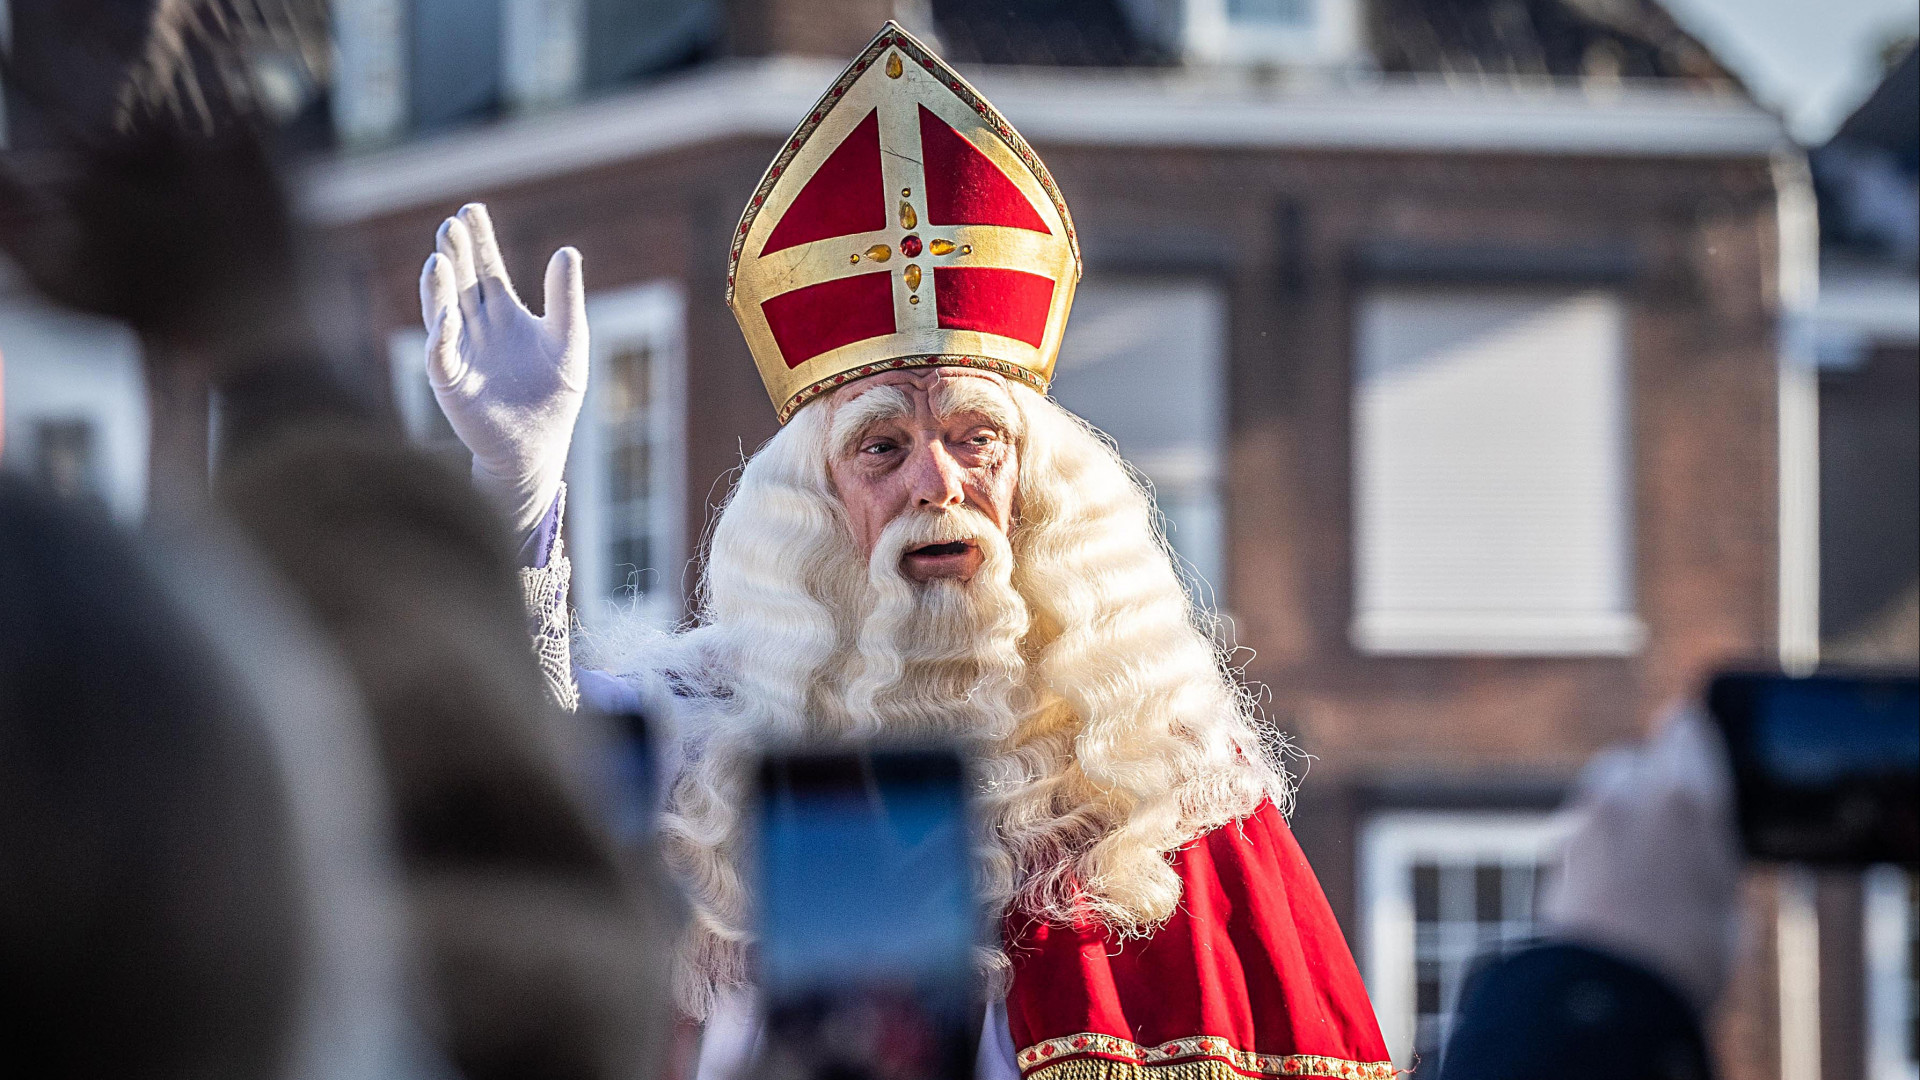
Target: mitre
(904, 224)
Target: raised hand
(510, 383)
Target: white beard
(935, 659)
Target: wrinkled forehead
(920, 397)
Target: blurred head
(946, 554)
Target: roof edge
(766, 98)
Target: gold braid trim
(1091, 1056)
(832, 382)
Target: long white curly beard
(935, 659)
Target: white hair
(1109, 728)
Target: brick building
(1449, 344)
(1866, 332)
(1447, 331)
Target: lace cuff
(545, 589)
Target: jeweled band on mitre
(904, 224)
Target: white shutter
(1492, 509)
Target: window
(1491, 505)
(1145, 362)
(65, 458)
(627, 39)
(413, 395)
(75, 404)
(627, 471)
(1892, 927)
(540, 52)
(1289, 32)
(1271, 12)
(368, 95)
(1436, 891)
(454, 61)
(421, 64)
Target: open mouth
(935, 551)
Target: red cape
(1251, 977)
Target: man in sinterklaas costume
(930, 547)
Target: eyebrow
(955, 396)
(950, 398)
(851, 421)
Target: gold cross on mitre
(905, 224)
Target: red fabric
(965, 187)
(845, 195)
(1011, 303)
(809, 321)
(1253, 957)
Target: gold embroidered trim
(985, 363)
(1091, 1056)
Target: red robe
(1251, 977)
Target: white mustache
(917, 529)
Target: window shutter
(1492, 509)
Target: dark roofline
(1890, 117)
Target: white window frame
(656, 314)
(1385, 630)
(1389, 846)
(1888, 931)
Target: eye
(879, 446)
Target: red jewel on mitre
(904, 224)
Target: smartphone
(867, 916)
(1826, 767)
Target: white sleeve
(996, 1060)
(731, 1038)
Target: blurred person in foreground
(1639, 927)
(930, 547)
(140, 188)
(193, 877)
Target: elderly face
(920, 441)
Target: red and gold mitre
(905, 224)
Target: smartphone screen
(1826, 767)
(868, 921)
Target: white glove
(510, 384)
(1652, 869)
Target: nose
(937, 481)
